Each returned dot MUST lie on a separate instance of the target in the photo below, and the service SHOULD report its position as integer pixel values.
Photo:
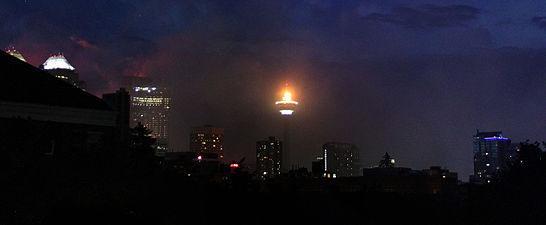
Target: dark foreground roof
(24, 83)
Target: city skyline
(413, 79)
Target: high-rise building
(286, 107)
(150, 106)
(58, 66)
(268, 158)
(492, 152)
(341, 159)
(207, 140)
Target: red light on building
(234, 165)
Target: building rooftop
(16, 54)
(488, 134)
(28, 84)
(57, 62)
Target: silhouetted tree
(517, 194)
(387, 161)
(142, 153)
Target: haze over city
(415, 79)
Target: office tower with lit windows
(287, 107)
(492, 152)
(150, 105)
(341, 159)
(58, 66)
(268, 158)
(207, 140)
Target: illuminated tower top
(287, 105)
(57, 62)
(16, 54)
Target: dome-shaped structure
(57, 62)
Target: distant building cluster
(70, 121)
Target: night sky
(414, 78)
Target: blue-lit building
(492, 152)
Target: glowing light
(199, 157)
(286, 112)
(287, 105)
(57, 62)
(496, 138)
(287, 99)
(234, 165)
(148, 89)
(287, 96)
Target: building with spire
(58, 66)
(286, 107)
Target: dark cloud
(428, 16)
(82, 43)
(539, 21)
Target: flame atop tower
(287, 96)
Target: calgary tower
(286, 106)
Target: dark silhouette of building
(317, 166)
(440, 181)
(150, 105)
(492, 152)
(58, 66)
(269, 158)
(405, 180)
(207, 140)
(120, 102)
(341, 159)
(43, 116)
